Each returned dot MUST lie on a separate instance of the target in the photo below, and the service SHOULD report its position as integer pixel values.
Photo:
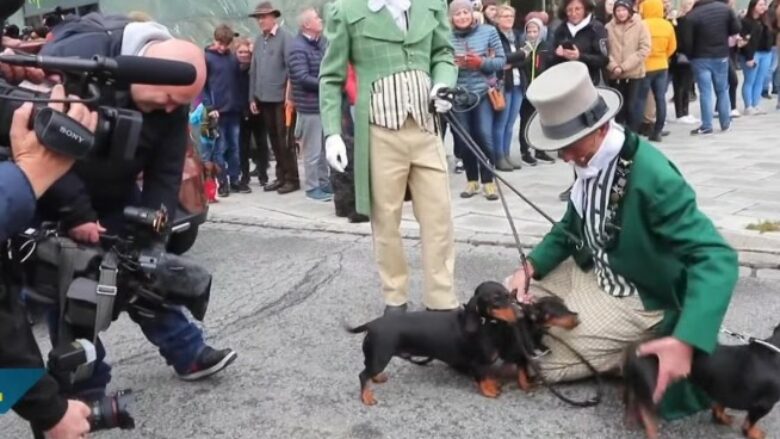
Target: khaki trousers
(608, 324)
(414, 158)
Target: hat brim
(275, 13)
(536, 138)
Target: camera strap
(106, 293)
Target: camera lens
(112, 411)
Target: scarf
(574, 28)
(609, 149)
(397, 8)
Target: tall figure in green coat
(633, 253)
(401, 52)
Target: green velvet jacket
(377, 48)
(670, 250)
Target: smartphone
(568, 45)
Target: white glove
(441, 105)
(336, 152)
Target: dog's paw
(367, 397)
(752, 431)
(489, 388)
(720, 417)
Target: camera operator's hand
(41, 165)
(88, 233)
(253, 108)
(75, 423)
(17, 74)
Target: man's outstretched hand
(674, 362)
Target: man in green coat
(633, 253)
(401, 53)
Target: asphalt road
(279, 300)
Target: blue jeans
(658, 82)
(478, 122)
(755, 77)
(772, 77)
(505, 122)
(711, 72)
(178, 339)
(226, 155)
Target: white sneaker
(688, 120)
(759, 111)
(735, 113)
(750, 111)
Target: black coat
(513, 57)
(536, 62)
(591, 41)
(706, 30)
(759, 36)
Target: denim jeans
(658, 82)
(179, 340)
(226, 154)
(772, 77)
(711, 72)
(503, 126)
(755, 77)
(315, 165)
(478, 122)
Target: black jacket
(592, 43)
(97, 187)
(513, 57)
(536, 62)
(42, 405)
(707, 28)
(759, 36)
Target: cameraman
(34, 170)
(90, 199)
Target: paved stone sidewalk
(736, 176)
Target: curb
(753, 263)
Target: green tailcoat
(377, 48)
(670, 250)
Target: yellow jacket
(663, 41)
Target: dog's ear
(472, 318)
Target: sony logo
(71, 134)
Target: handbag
(497, 99)
(495, 93)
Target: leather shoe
(288, 188)
(275, 185)
(390, 309)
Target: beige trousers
(415, 158)
(608, 324)
(650, 109)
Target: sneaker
(735, 113)
(688, 120)
(655, 137)
(529, 160)
(208, 363)
(472, 188)
(287, 188)
(223, 191)
(328, 189)
(242, 188)
(318, 195)
(750, 111)
(759, 110)
(491, 191)
(701, 131)
(726, 129)
(515, 164)
(504, 166)
(543, 157)
(459, 166)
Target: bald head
(169, 97)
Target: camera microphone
(126, 69)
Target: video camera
(92, 285)
(104, 85)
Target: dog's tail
(357, 330)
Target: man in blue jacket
(305, 57)
(220, 96)
(35, 169)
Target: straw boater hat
(265, 8)
(568, 106)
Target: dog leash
(750, 340)
(592, 402)
(458, 129)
